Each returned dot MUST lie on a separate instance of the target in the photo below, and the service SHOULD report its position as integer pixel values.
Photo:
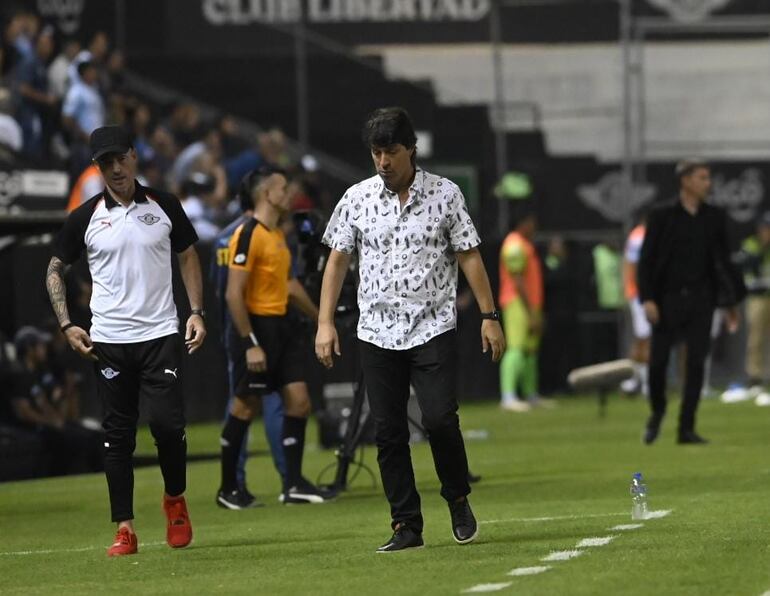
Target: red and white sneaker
(178, 528)
(125, 544)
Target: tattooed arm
(77, 337)
(57, 290)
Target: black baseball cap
(109, 139)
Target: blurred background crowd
(215, 92)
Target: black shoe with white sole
(306, 492)
(237, 499)
(404, 538)
(464, 526)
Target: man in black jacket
(684, 273)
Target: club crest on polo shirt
(109, 373)
(239, 259)
(149, 219)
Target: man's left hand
(195, 332)
(492, 337)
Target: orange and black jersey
(263, 253)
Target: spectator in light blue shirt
(83, 109)
(83, 112)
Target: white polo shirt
(129, 257)
(407, 265)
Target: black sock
(231, 441)
(172, 457)
(293, 446)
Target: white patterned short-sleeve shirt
(406, 256)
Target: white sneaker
(735, 395)
(630, 386)
(541, 402)
(515, 406)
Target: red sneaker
(125, 544)
(178, 528)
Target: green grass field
(565, 464)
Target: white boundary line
(598, 541)
(562, 555)
(514, 520)
(479, 588)
(529, 570)
(658, 514)
(82, 549)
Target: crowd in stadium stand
(54, 91)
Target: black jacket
(726, 280)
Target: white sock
(642, 374)
(509, 398)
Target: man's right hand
(651, 312)
(256, 359)
(326, 341)
(80, 341)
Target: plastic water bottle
(638, 497)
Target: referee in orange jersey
(268, 353)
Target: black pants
(685, 316)
(125, 373)
(430, 368)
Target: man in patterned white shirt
(411, 229)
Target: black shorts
(148, 370)
(282, 340)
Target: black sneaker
(650, 434)
(691, 438)
(404, 538)
(651, 430)
(306, 492)
(248, 494)
(473, 478)
(237, 499)
(464, 526)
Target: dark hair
(687, 166)
(389, 126)
(198, 183)
(83, 66)
(250, 181)
(519, 212)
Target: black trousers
(125, 373)
(430, 368)
(685, 316)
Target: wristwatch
(198, 311)
(494, 315)
(249, 341)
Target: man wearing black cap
(684, 272)
(128, 233)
